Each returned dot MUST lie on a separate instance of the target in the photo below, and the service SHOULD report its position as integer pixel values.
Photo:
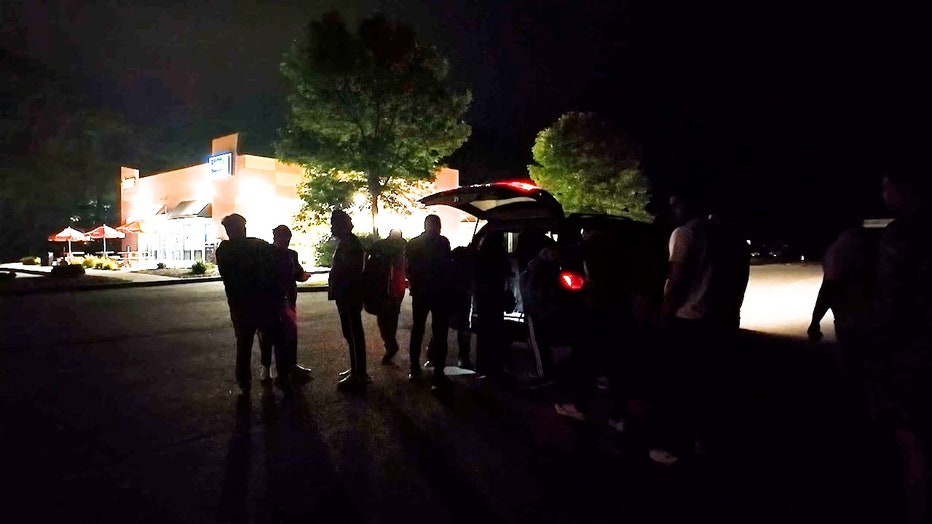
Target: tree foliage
(373, 102)
(59, 158)
(590, 166)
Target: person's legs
(388, 326)
(245, 331)
(464, 344)
(289, 339)
(346, 322)
(358, 345)
(419, 310)
(686, 342)
(440, 326)
(265, 348)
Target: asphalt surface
(120, 406)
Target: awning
(191, 208)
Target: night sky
(785, 108)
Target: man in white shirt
(698, 315)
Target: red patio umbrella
(104, 232)
(69, 235)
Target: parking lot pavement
(119, 405)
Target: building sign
(221, 165)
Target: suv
(634, 254)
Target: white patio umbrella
(104, 232)
(69, 235)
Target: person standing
(247, 269)
(462, 261)
(697, 323)
(288, 272)
(847, 284)
(389, 254)
(900, 316)
(427, 259)
(345, 287)
(492, 270)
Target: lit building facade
(174, 217)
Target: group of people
(637, 317)
(880, 295)
(376, 282)
(260, 284)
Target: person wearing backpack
(385, 288)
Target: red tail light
(571, 281)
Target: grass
(179, 273)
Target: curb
(123, 285)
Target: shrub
(160, 265)
(106, 263)
(325, 250)
(89, 262)
(199, 268)
(68, 271)
(30, 261)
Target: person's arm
(674, 289)
(823, 302)
(828, 292)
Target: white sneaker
(617, 424)
(569, 410)
(662, 456)
(266, 374)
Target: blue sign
(221, 165)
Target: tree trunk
(375, 214)
(375, 189)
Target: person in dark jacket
(427, 259)
(288, 272)
(247, 268)
(463, 260)
(345, 287)
(491, 272)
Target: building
(174, 217)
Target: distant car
(511, 207)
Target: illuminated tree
(591, 167)
(374, 102)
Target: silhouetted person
(606, 314)
(697, 323)
(902, 316)
(247, 268)
(427, 259)
(288, 271)
(732, 269)
(531, 241)
(463, 262)
(848, 276)
(389, 253)
(491, 272)
(346, 288)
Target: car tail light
(571, 281)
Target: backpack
(376, 277)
